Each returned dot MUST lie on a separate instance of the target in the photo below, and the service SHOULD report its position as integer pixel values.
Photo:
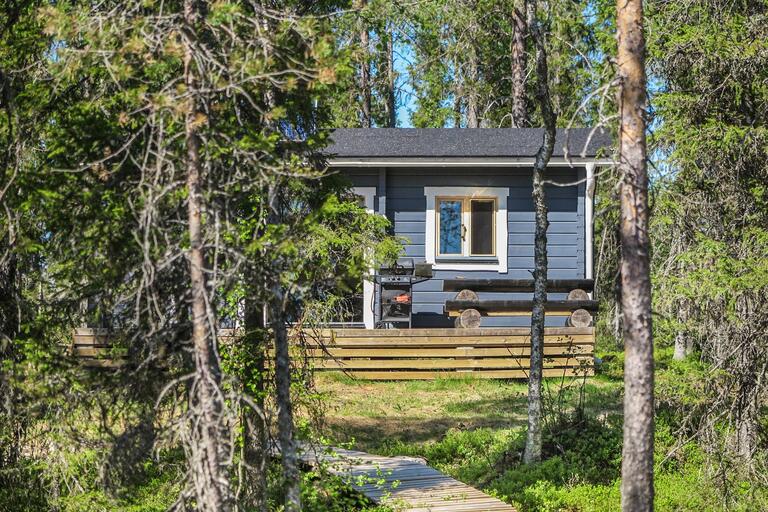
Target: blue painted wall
(406, 207)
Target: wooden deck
(403, 483)
(408, 354)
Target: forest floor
(473, 430)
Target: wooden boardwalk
(405, 484)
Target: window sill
(469, 263)
(491, 260)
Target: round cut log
(466, 295)
(468, 319)
(580, 318)
(578, 294)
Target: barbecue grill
(394, 292)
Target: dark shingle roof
(460, 142)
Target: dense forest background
(103, 101)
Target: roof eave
(576, 161)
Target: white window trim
(368, 194)
(500, 193)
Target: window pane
(450, 227)
(482, 227)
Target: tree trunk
(209, 476)
(533, 438)
(681, 346)
(253, 482)
(683, 340)
(637, 453)
(519, 64)
(13, 426)
(470, 89)
(390, 105)
(458, 94)
(284, 409)
(365, 70)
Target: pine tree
(637, 451)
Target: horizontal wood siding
(406, 207)
(397, 354)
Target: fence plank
(416, 352)
(431, 364)
(487, 374)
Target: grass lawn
(474, 431)
(375, 415)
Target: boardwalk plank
(405, 483)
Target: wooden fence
(407, 354)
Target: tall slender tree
(533, 440)
(364, 77)
(637, 453)
(519, 61)
(390, 94)
(211, 478)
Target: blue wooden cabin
(462, 200)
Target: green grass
(474, 431)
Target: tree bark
(288, 455)
(10, 326)
(470, 89)
(683, 341)
(533, 438)
(365, 70)
(519, 65)
(390, 104)
(681, 346)
(637, 453)
(210, 478)
(253, 482)
(458, 95)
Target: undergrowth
(581, 466)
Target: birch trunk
(284, 408)
(473, 114)
(458, 95)
(209, 477)
(637, 453)
(533, 439)
(519, 64)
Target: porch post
(381, 194)
(589, 201)
(382, 191)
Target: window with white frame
(466, 228)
